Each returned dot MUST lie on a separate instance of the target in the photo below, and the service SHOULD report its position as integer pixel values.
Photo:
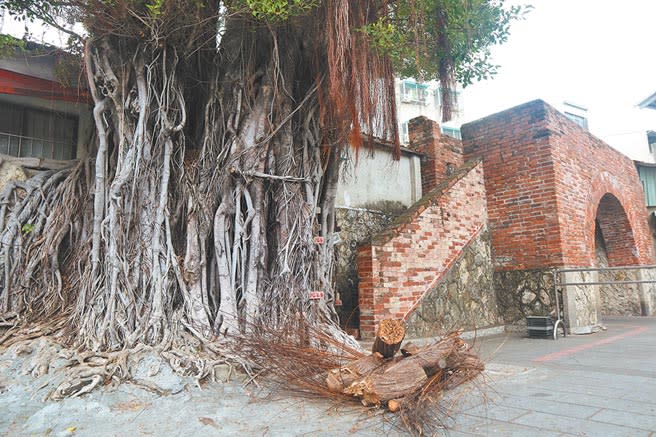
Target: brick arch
(545, 178)
(617, 218)
(617, 232)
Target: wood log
(409, 349)
(464, 360)
(435, 357)
(338, 379)
(389, 336)
(389, 382)
(394, 405)
(462, 366)
(376, 380)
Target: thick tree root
(64, 372)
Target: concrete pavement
(599, 384)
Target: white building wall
(376, 177)
(430, 106)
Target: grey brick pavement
(601, 384)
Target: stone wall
(522, 293)
(616, 299)
(464, 297)
(620, 299)
(648, 292)
(581, 303)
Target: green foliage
(59, 14)
(275, 10)
(385, 35)
(155, 7)
(422, 35)
(9, 44)
(27, 228)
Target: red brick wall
(545, 179)
(587, 169)
(405, 261)
(441, 154)
(519, 177)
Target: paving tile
(614, 403)
(641, 421)
(551, 406)
(648, 397)
(496, 412)
(577, 426)
(497, 427)
(571, 385)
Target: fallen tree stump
(339, 379)
(409, 349)
(399, 382)
(435, 357)
(389, 382)
(389, 336)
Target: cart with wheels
(548, 326)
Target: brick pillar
(442, 154)
(366, 290)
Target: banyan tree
(219, 131)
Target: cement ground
(599, 384)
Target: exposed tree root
(64, 372)
(213, 168)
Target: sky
(595, 53)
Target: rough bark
(213, 170)
(339, 379)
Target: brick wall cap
(379, 143)
(537, 103)
(409, 215)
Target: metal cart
(548, 326)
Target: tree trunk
(389, 336)
(339, 379)
(216, 166)
(392, 381)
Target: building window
(456, 101)
(30, 132)
(581, 121)
(457, 105)
(404, 135)
(648, 178)
(451, 132)
(412, 92)
(651, 140)
(437, 99)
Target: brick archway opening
(614, 229)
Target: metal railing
(604, 269)
(19, 145)
(560, 283)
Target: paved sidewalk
(600, 384)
